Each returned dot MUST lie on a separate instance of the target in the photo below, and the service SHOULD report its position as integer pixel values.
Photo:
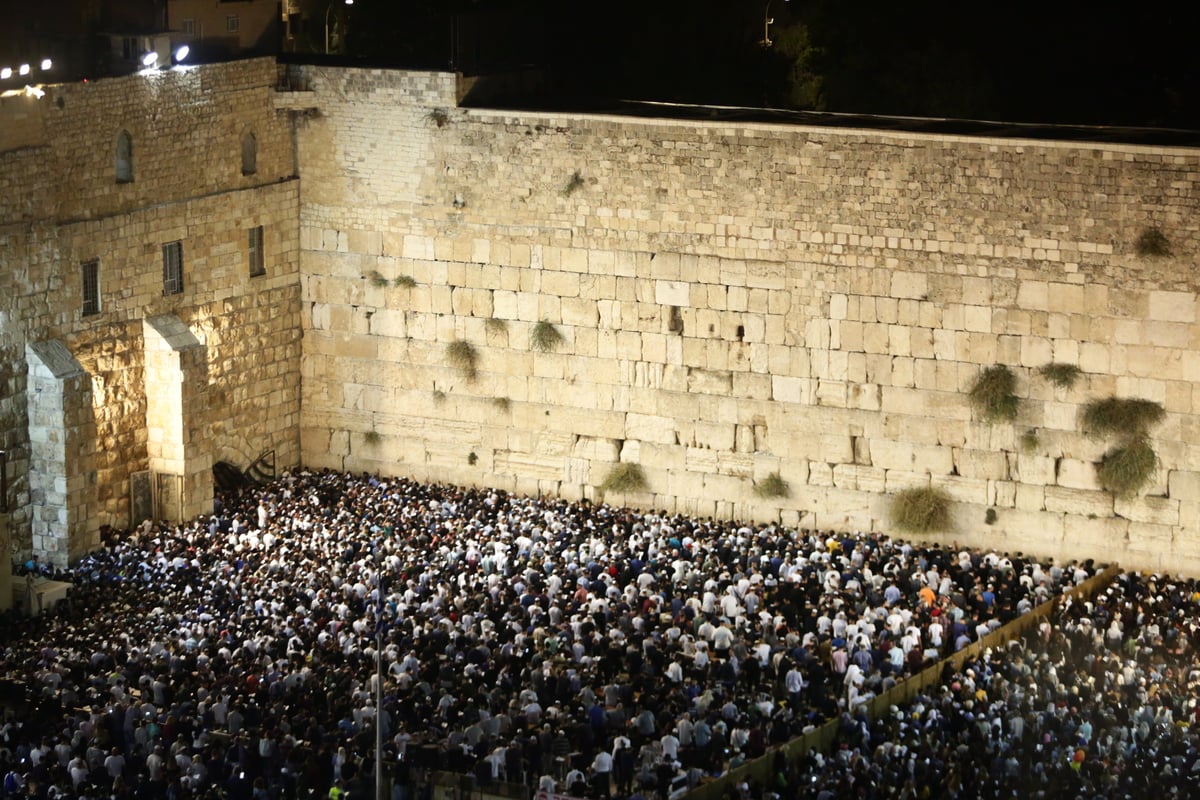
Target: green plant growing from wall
(1064, 376)
(404, 282)
(1030, 441)
(377, 278)
(574, 184)
(989, 517)
(1128, 467)
(623, 478)
(502, 403)
(439, 396)
(772, 486)
(463, 357)
(544, 337)
(1152, 243)
(921, 510)
(472, 458)
(372, 437)
(993, 394)
(495, 325)
(1129, 417)
(438, 116)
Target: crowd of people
(570, 647)
(1101, 703)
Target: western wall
(733, 299)
(739, 299)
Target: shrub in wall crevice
(994, 394)
(921, 510)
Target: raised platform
(42, 596)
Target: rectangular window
(231, 23)
(90, 271)
(172, 268)
(254, 240)
(189, 27)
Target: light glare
(150, 59)
(47, 63)
(182, 52)
(24, 70)
(5, 73)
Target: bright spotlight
(24, 70)
(5, 73)
(47, 63)
(182, 53)
(150, 59)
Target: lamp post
(327, 11)
(379, 634)
(767, 20)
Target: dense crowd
(1101, 703)
(568, 646)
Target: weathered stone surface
(835, 349)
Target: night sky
(1017, 62)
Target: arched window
(124, 165)
(249, 154)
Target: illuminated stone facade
(733, 300)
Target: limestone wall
(741, 299)
(66, 207)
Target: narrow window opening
(741, 332)
(124, 160)
(172, 268)
(90, 274)
(249, 154)
(254, 241)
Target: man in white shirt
(601, 768)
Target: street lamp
(331, 5)
(767, 20)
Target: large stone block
(1162, 511)
(1078, 502)
(963, 490)
(1076, 474)
(650, 428)
(972, 463)
(1170, 306)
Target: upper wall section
(184, 128)
(394, 142)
